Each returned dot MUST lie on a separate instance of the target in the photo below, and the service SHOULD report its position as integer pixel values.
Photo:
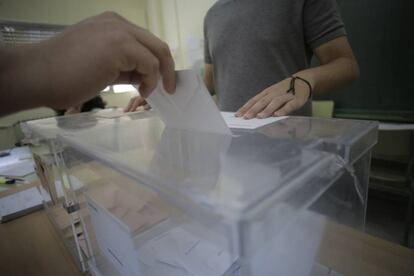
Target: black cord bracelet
(292, 88)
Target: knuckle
(165, 50)
(248, 104)
(263, 101)
(110, 14)
(256, 108)
(118, 37)
(153, 65)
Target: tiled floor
(386, 217)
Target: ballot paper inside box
(142, 235)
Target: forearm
(208, 78)
(332, 75)
(19, 79)
(209, 85)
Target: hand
(80, 62)
(135, 103)
(275, 101)
(73, 110)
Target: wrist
(308, 76)
(295, 81)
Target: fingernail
(238, 114)
(260, 115)
(170, 89)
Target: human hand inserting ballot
(135, 103)
(279, 99)
(77, 64)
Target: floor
(386, 217)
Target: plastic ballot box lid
(49, 128)
(212, 175)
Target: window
(17, 33)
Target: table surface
(395, 126)
(31, 246)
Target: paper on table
(18, 169)
(240, 123)
(16, 204)
(16, 155)
(190, 107)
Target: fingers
(147, 66)
(257, 107)
(158, 49)
(242, 111)
(274, 105)
(270, 106)
(134, 103)
(162, 52)
(288, 108)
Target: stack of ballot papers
(185, 254)
(18, 164)
(136, 233)
(240, 123)
(192, 108)
(19, 204)
(18, 169)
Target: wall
(190, 14)
(180, 24)
(67, 12)
(117, 100)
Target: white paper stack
(240, 123)
(180, 251)
(19, 204)
(18, 169)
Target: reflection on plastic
(192, 160)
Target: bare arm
(338, 68)
(208, 78)
(80, 62)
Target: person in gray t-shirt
(258, 53)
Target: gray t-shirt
(254, 44)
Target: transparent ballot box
(62, 193)
(174, 202)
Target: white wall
(180, 24)
(190, 15)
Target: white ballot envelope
(190, 107)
